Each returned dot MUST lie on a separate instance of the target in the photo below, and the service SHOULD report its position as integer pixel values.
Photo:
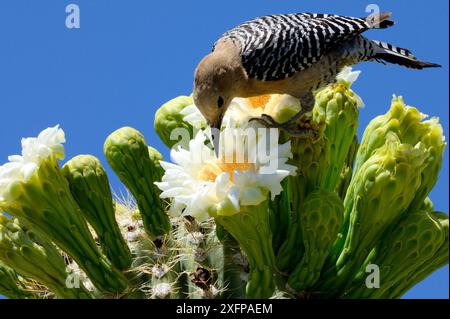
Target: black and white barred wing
(277, 46)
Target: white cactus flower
(197, 180)
(348, 77)
(35, 150)
(280, 106)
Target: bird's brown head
(213, 88)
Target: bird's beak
(215, 134)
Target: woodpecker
(292, 54)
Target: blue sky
(129, 57)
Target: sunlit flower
(20, 168)
(280, 106)
(197, 180)
(348, 77)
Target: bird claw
(299, 128)
(266, 120)
(303, 128)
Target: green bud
(434, 142)
(405, 250)
(380, 191)
(90, 188)
(128, 155)
(320, 222)
(347, 170)
(156, 157)
(168, 118)
(11, 285)
(336, 106)
(438, 260)
(310, 156)
(409, 125)
(34, 257)
(46, 204)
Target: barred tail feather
(392, 54)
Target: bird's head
(213, 90)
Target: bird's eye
(220, 102)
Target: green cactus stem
(165, 271)
(251, 228)
(232, 270)
(200, 257)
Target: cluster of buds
(295, 217)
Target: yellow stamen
(211, 170)
(258, 101)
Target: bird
(293, 54)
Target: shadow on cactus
(272, 216)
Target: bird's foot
(295, 127)
(266, 120)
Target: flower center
(211, 170)
(259, 101)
